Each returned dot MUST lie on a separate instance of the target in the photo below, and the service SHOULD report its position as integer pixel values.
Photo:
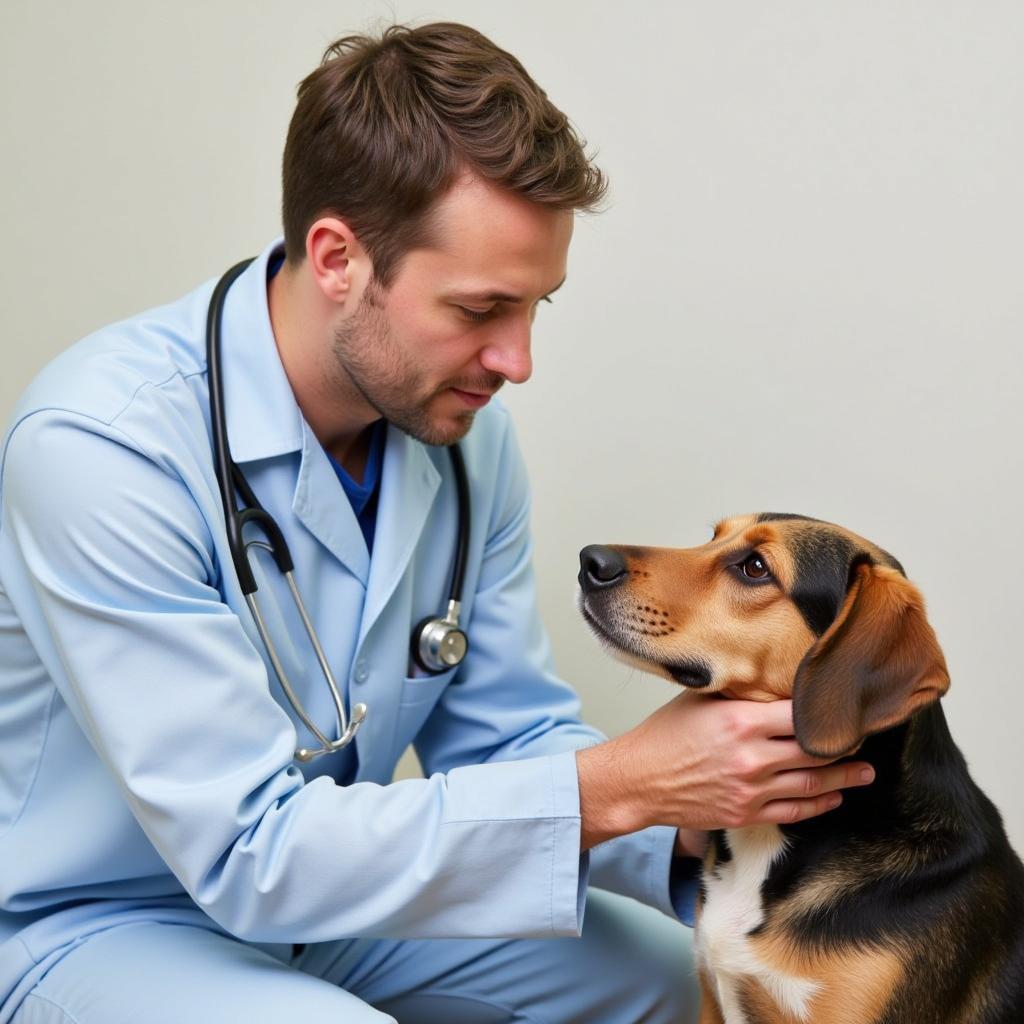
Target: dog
(905, 905)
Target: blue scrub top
(363, 496)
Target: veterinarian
(197, 819)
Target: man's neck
(355, 459)
(336, 412)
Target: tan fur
(882, 627)
(679, 603)
(709, 1011)
(856, 983)
(856, 986)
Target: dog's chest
(732, 909)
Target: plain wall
(804, 295)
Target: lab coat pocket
(419, 695)
(418, 689)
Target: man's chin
(438, 431)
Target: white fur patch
(732, 909)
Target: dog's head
(774, 606)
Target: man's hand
(698, 764)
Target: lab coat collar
(409, 483)
(408, 487)
(263, 418)
(321, 505)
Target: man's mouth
(472, 398)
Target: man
(164, 856)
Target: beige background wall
(805, 295)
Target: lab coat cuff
(546, 870)
(570, 867)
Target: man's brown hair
(385, 125)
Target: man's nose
(600, 568)
(508, 352)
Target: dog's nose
(600, 567)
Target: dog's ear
(876, 665)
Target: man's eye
(755, 568)
(477, 314)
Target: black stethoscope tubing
(437, 644)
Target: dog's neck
(923, 809)
(922, 787)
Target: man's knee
(166, 974)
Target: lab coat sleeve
(107, 559)
(508, 702)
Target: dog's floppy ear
(876, 665)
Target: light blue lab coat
(146, 751)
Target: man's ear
(876, 665)
(337, 261)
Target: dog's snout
(600, 567)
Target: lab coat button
(361, 673)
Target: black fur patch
(722, 852)
(824, 558)
(929, 867)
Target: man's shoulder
(99, 377)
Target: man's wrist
(608, 800)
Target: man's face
(455, 323)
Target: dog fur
(906, 904)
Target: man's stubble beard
(367, 357)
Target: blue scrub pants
(631, 965)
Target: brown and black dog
(906, 904)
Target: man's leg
(169, 974)
(632, 965)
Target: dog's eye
(755, 568)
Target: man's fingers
(789, 812)
(776, 718)
(782, 755)
(816, 782)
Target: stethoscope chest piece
(439, 644)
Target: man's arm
(699, 763)
(113, 572)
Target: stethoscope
(437, 644)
